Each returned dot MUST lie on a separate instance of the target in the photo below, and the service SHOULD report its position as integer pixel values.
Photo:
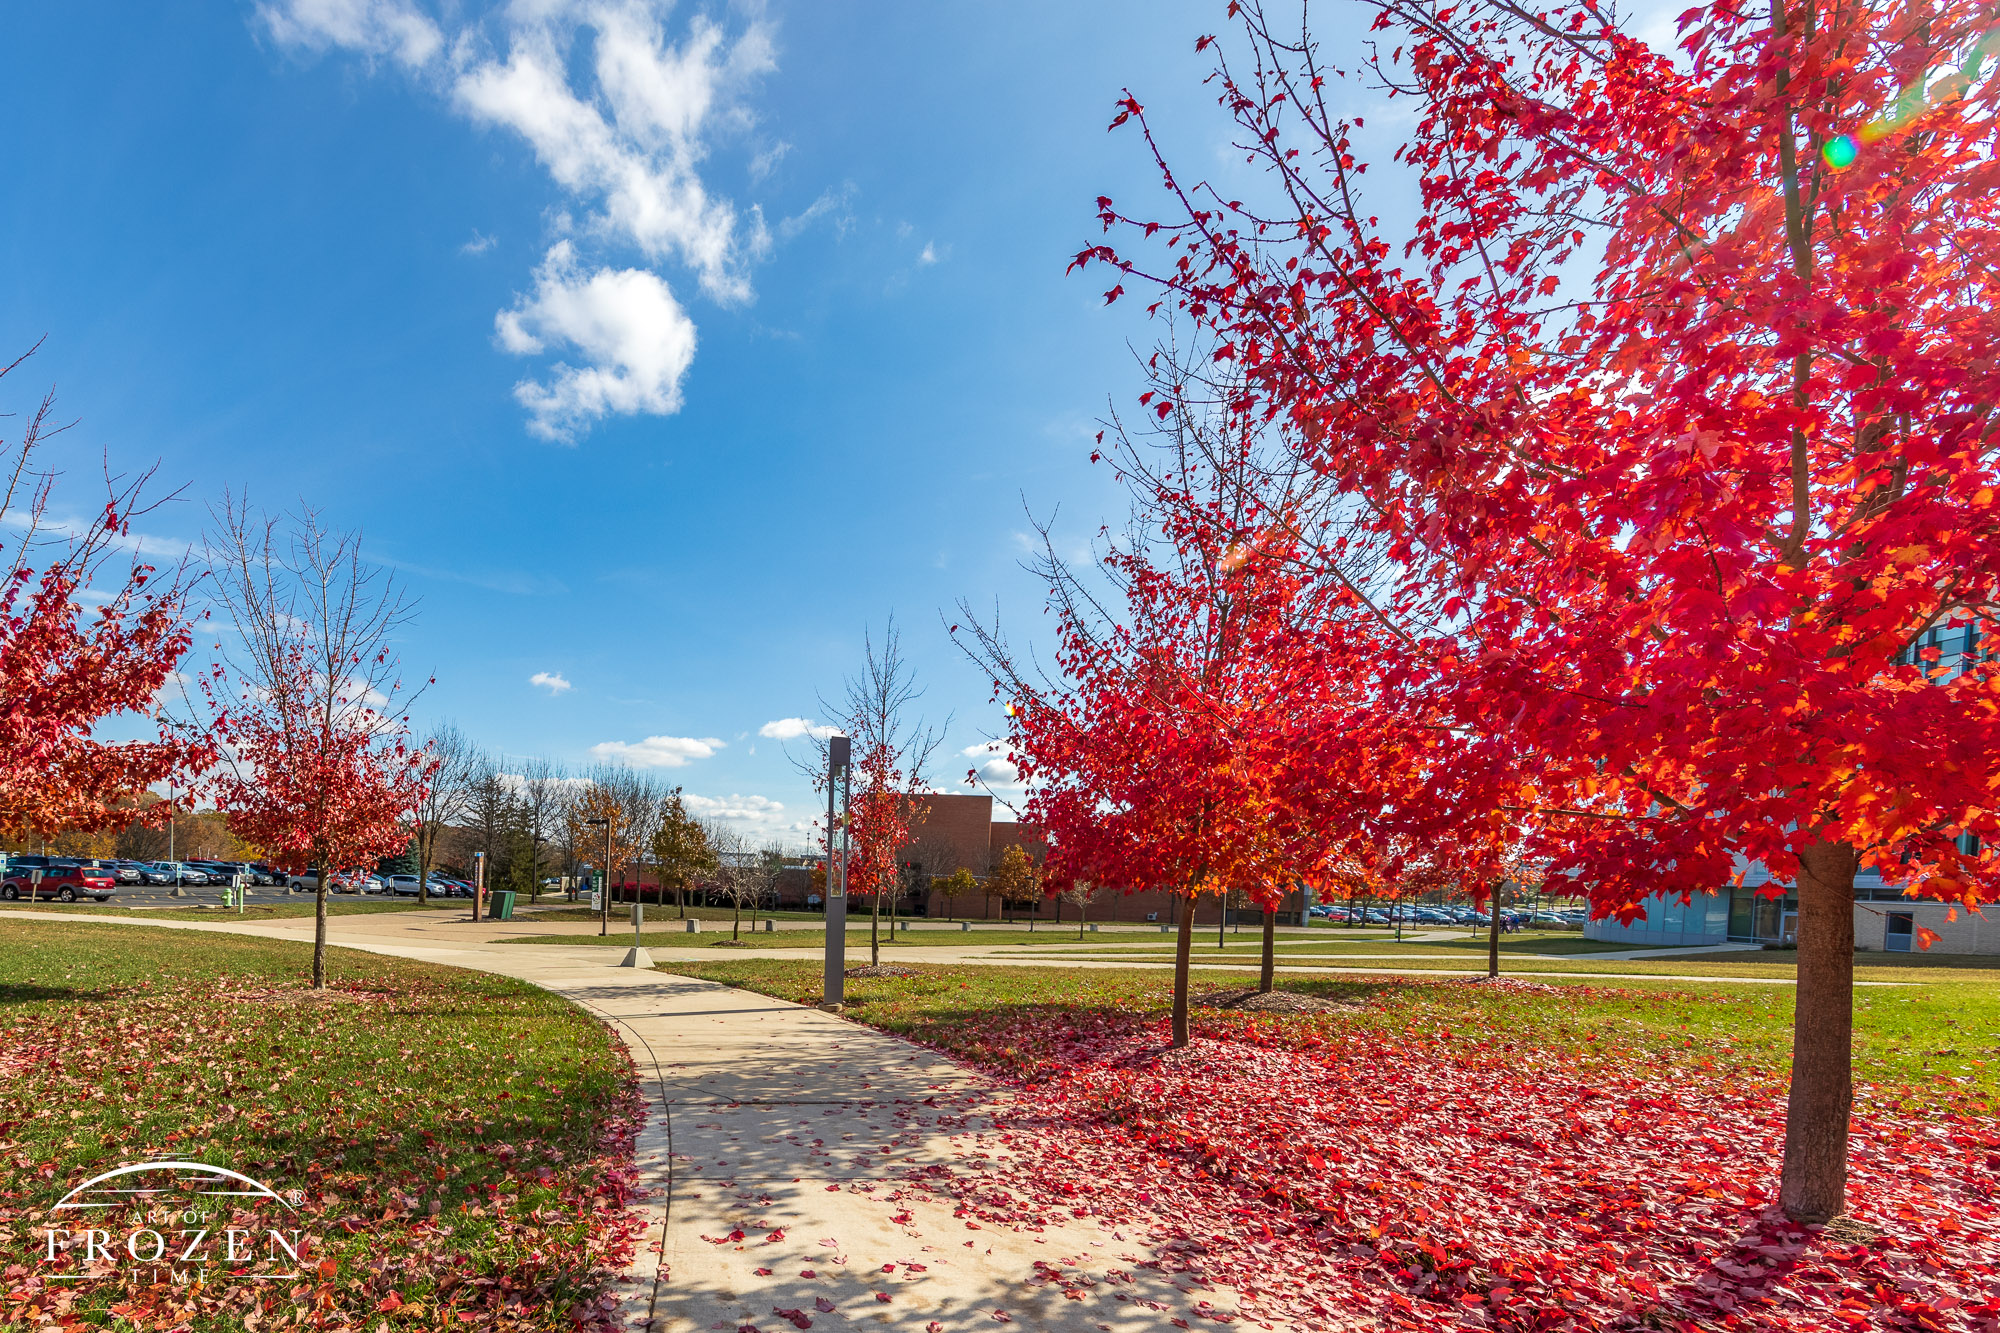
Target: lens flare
(1841, 152)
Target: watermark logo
(174, 1222)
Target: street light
(604, 896)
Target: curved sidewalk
(781, 1152)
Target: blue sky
(663, 349)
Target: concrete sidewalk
(801, 1131)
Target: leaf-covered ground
(1448, 1155)
(461, 1143)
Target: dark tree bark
(1268, 977)
(319, 927)
(1183, 944)
(1493, 935)
(1814, 1185)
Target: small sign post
(835, 986)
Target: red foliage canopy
(316, 777)
(65, 669)
(1679, 425)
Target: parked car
(181, 872)
(62, 879)
(404, 886)
(354, 881)
(116, 869)
(445, 886)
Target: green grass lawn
(1292, 943)
(1930, 1044)
(568, 911)
(657, 935)
(450, 1131)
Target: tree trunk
(424, 849)
(1082, 914)
(1268, 977)
(1183, 944)
(1814, 1187)
(875, 930)
(736, 921)
(319, 927)
(1493, 936)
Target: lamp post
(604, 898)
(836, 888)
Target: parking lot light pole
(836, 879)
(604, 896)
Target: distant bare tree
(735, 871)
(449, 800)
(761, 877)
(1079, 895)
(541, 793)
(893, 746)
(315, 625)
(489, 809)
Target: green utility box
(503, 905)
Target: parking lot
(161, 895)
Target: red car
(63, 880)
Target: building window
(1740, 900)
(1902, 925)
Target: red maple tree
(1674, 409)
(66, 667)
(1188, 718)
(316, 762)
(317, 787)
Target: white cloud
(621, 117)
(992, 766)
(830, 204)
(552, 681)
(758, 817)
(657, 751)
(764, 163)
(635, 338)
(390, 28)
(929, 255)
(733, 807)
(791, 728)
(631, 140)
(478, 245)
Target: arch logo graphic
(175, 1222)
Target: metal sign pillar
(836, 874)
